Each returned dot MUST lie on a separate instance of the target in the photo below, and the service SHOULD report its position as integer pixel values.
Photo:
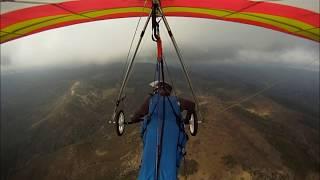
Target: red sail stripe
(81, 6)
(93, 5)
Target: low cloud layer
(200, 41)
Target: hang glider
(288, 19)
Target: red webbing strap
(159, 47)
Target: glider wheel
(120, 123)
(193, 124)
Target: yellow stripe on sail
(286, 24)
(29, 26)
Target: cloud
(216, 41)
(5, 61)
(200, 41)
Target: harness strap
(148, 118)
(161, 138)
(178, 117)
(180, 146)
(182, 136)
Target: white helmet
(155, 84)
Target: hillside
(54, 124)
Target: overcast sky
(200, 40)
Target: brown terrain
(71, 139)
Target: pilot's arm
(142, 111)
(187, 105)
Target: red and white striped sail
(298, 20)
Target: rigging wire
(169, 77)
(242, 9)
(269, 19)
(44, 3)
(53, 4)
(247, 98)
(249, 6)
(306, 30)
(128, 72)
(158, 153)
(184, 68)
(175, 94)
(171, 47)
(10, 33)
(29, 2)
(314, 94)
(230, 13)
(273, 20)
(167, 67)
(132, 40)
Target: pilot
(185, 105)
(162, 132)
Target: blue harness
(164, 139)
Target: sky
(201, 41)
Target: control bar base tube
(181, 62)
(125, 79)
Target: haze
(200, 40)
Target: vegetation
(293, 152)
(229, 161)
(189, 167)
(51, 132)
